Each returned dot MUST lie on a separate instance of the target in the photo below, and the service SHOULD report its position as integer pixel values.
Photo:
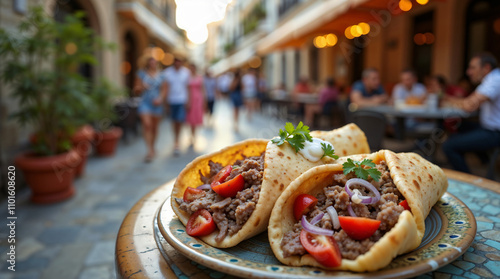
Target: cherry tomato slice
(230, 188)
(303, 204)
(405, 205)
(200, 223)
(192, 194)
(359, 228)
(221, 175)
(323, 248)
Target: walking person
(236, 96)
(197, 102)
(149, 84)
(210, 85)
(249, 82)
(177, 78)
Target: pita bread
(282, 165)
(419, 181)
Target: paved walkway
(76, 238)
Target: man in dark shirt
(368, 91)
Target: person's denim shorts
(236, 98)
(178, 112)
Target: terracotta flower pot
(50, 177)
(107, 141)
(82, 142)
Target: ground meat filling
(230, 214)
(387, 210)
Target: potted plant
(40, 65)
(105, 95)
(82, 141)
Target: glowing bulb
(365, 28)
(348, 33)
(157, 53)
(126, 67)
(356, 31)
(70, 48)
(168, 59)
(422, 2)
(331, 39)
(405, 5)
(429, 38)
(255, 62)
(320, 42)
(419, 39)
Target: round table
(142, 252)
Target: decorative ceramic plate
(450, 229)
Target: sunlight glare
(194, 15)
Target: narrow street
(76, 238)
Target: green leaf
(362, 170)
(289, 128)
(297, 142)
(348, 166)
(328, 151)
(368, 163)
(375, 174)
(361, 173)
(294, 136)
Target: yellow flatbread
(419, 181)
(282, 165)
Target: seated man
(409, 90)
(479, 138)
(368, 91)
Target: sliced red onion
(313, 229)
(362, 182)
(317, 218)
(351, 211)
(334, 216)
(204, 187)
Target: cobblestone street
(76, 238)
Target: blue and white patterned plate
(450, 229)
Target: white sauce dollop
(312, 151)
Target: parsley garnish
(329, 151)
(294, 136)
(363, 169)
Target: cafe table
(401, 113)
(142, 251)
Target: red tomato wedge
(405, 205)
(191, 194)
(200, 223)
(323, 248)
(230, 188)
(303, 204)
(359, 228)
(221, 175)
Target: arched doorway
(64, 8)
(483, 28)
(130, 58)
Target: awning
(324, 17)
(235, 60)
(158, 27)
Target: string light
(320, 42)
(365, 28)
(331, 39)
(422, 2)
(405, 5)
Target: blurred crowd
(190, 96)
